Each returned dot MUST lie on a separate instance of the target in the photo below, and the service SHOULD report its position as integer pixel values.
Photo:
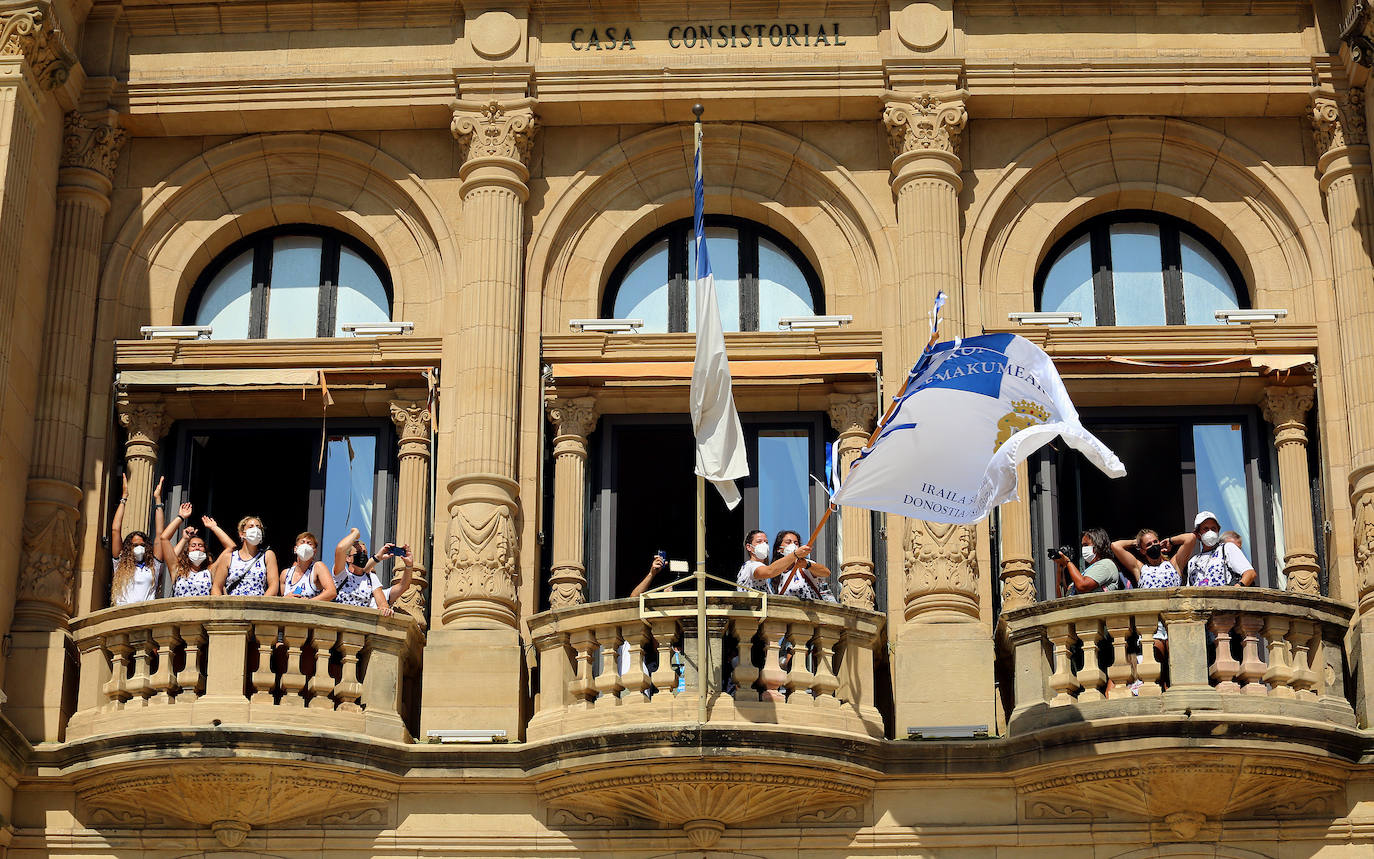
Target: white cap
(1203, 517)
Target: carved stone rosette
(852, 416)
(1286, 409)
(573, 418)
(29, 30)
(91, 145)
(412, 422)
(941, 571)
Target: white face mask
(138, 553)
(253, 536)
(1210, 538)
(1088, 554)
(305, 551)
(196, 557)
(761, 551)
(789, 549)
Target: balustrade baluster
(1148, 669)
(1252, 667)
(1063, 681)
(580, 687)
(117, 690)
(607, 683)
(664, 678)
(826, 682)
(1279, 675)
(264, 679)
(164, 679)
(1305, 678)
(349, 691)
(293, 679)
(141, 684)
(636, 677)
(746, 673)
(191, 678)
(1091, 676)
(799, 676)
(1224, 667)
(771, 675)
(320, 687)
(1122, 669)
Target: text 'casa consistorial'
(789, 34)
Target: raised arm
(219, 573)
(654, 566)
(224, 539)
(117, 523)
(158, 519)
(1123, 554)
(1082, 584)
(1183, 546)
(341, 552)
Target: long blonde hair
(125, 565)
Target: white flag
(973, 409)
(721, 456)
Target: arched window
(290, 282)
(1140, 268)
(760, 278)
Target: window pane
(722, 246)
(227, 299)
(784, 496)
(783, 290)
(1206, 286)
(350, 469)
(643, 292)
(1069, 283)
(362, 298)
(293, 302)
(1221, 487)
(1137, 274)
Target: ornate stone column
(51, 517)
(412, 422)
(475, 643)
(144, 425)
(939, 562)
(853, 416)
(1018, 567)
(573, 418)
(1286, 409)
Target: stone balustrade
(618, 664)
(1236, 650)
(238, 661)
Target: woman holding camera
(356, 582)
(1099, 570)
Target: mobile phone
(663, 554)
(399, 551)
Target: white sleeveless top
(304, 586)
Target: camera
(1062, 550)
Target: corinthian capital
(92, 145)
(29, 30)
(572, 415)
(852, 413)
(495, 130)
(411, 420)
(929, 122)
(1338, 119)
(1358, 32)
(144, 422)
(1287, 405)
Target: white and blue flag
(721, 457)
(971, 411)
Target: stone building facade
(421, 268)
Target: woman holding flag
(803, 578)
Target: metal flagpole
(702, 674)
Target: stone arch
(1191, 849)
(256, 182)
(1170, 166)
(752, 171)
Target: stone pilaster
(144, 425)
(852, 416)
(475, 642)
(1018, 567)
(1286, 409)
(573, 418)
(413, 453)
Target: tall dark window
(295, 281)
(1140, 268)
(760, 278)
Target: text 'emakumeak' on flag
(721, 456)
(972, 409)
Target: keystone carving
(927, 123)
(29, 30)
(94, 146)
(495, 130)
(1338, 120)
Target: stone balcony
(262, 661)
(1242, 651)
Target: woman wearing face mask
(1156, 570)
(1099, 570)
(756, 571)
(190, 564)
(357, 584)
(250, 570)
(307, 578)
(138, 565)
(1218, 562)
(806, 583)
